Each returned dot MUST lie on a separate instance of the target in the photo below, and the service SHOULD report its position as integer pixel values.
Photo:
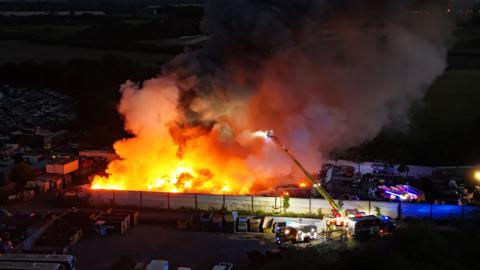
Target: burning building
(324, 74)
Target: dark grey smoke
(323, 74)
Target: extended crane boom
(270, 134)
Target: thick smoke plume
(324, 75)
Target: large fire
(168, 156)
(199, 170)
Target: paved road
(199, 250)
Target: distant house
(108, 155)
(62, 166)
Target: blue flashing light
(412, 190)
(392, 193)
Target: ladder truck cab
(337, 221)
(340, 219)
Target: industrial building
(62, 166)
(108, 155)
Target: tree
(21, 174)
(403, 169)
(340, 203)
(286, 203)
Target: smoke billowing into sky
(323, 74)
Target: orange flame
(185, 175)
(202, 168)
(169, 154)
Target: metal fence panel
(386, 208)
(101, 197)
(127, 198)
(155, 200)
(298, 205)
(440, 211)
(206, 202)
(181, 200)
(238, 202)
(415, 210)
(265, 204)
(160, 200)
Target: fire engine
(350, 221)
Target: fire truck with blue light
(352, 221)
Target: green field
(455, 96)
(443, 128)
(20, 51)
(41, 31)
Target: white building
(62, 166)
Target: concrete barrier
(265, 204)
(102, 197)
(154, 200)
(239, 203)
(300, 205)
(180, 200)
(127, 198)
(385, 208)
(322, 206)
(416, 210)
(160, 200)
